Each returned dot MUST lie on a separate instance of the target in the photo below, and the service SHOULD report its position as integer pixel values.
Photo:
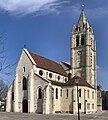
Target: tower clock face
(79, 58)
(79, 52)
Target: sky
(45, 27)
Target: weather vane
(24, 46)
(83, 6)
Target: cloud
(98, 13)
(92, 12)
(73, 8)
(23, 7)
(97, 67)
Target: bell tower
(83, 51)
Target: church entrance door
(25, 106)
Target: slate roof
(72, 82)
(47, 64)
(82, 20)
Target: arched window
(77, 40)
(56, 93)
(23, 69)
(39, 93)
(24, 83)
(12, 95)
(67, 93)
(82, 39)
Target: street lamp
(78, 99)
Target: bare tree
(3, 89)
(5, 68)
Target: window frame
(40, 72)
(92, 94)
(24, 69)
(82, 39)
(39, 93)
(92, 105)
(59, 77)
(12, 95)
(24, 83)
(56, 93)
(77, 40)
(50, 75)
(88, 106)
(88, 94)
(67, 93)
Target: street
(23, 116)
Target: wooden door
(25, 106)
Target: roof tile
(48, 64)
(81, 82)
(72, 82)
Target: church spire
(82, 19)
(82, 22)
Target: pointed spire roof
(82, 24)
(82, 20)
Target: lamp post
(85, 101)
(78, 99)
(85, 106)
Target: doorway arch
(25, 106)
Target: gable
(24, 61)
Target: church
(47, 87)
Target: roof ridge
(45, 58)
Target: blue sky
(45, 26)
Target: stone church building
(45, 86)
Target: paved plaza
(22, 116)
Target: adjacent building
(99, 98)
(45, 86)
(104, 100)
